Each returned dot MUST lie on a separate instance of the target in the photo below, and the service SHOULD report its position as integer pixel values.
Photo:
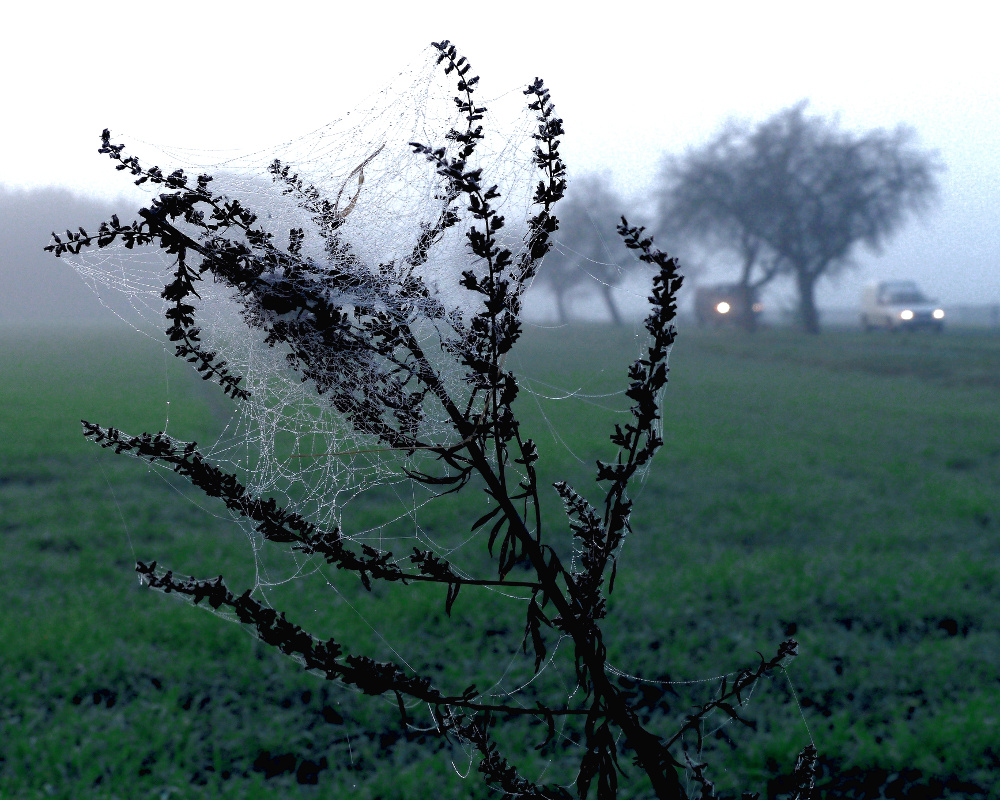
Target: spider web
(286, 439)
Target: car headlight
(906, 314)
(722, 308)
(938, 313)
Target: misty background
(632, 87)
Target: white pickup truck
(893, 305)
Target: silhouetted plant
(363, 353)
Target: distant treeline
(36, 288)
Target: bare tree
(587, 249)
(708, 196)
(796, 194)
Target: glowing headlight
(938, 313)
(723, 307)
(907, 314)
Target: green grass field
(843, 489)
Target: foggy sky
(631, 84)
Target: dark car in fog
(727, 304)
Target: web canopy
(287, 439)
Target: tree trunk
(560, 294)
(749, 318)
(808, 313)
(609, 301)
